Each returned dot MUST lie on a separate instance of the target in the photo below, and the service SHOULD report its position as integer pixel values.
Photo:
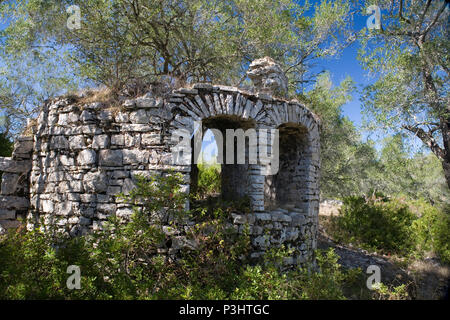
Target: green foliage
(156, 192)
(209, 181)
(194, 40)
(383, 292)
(409, 57)
(347, 164)
(376, 223)
(133, 260)
(267, 282)
(34, 266)
(6, 146)
(122, 42)
(399, 172)
(432, 229)
(394, 225)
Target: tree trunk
(445, 121)
(446, 166)
(441, 152)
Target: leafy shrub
(383, 292)
(34, 264)
(432, 229)
(132, 261)
(268, 282)
(405, 227)
(376, 223)
(209, 181)
(6, 146)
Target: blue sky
(346, 64)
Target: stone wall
(14, 189)
(83, 154)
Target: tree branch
(427, 139)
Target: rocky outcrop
(268, 77)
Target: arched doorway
(284, 189)
(234, 163)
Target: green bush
(209, 181)
(6, 146)
(34, 264)
(377, 223)
(267, 282)
(404, 227)
(131, 260)
(432, 229)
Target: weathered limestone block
(85, 221)
(14, 202)
(105, 115)
(87, 116)
(7, 164)
(132, 140)
(77, 142)
(47, 206)
(66, 160)
(135, 156)
(113, 190)
(278, 216)
(23, 145)
(298, 219)
(150, 139)
(128, 185)
(122, 117)
(100, 141)
(59, 142)
(90, 129)
(263, 217)
(112, 158)
(136, 127)
(70, 186)
(149, 101)
(107, 208)
(65, 208)
(139, 116)
(7, 214)
(117, 140)
(9, 183)
(87, 157)
(95, 182)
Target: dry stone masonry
(82, 155)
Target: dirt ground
(425, 279)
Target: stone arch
(221, 107)
(234, 174)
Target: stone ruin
(81, 155)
